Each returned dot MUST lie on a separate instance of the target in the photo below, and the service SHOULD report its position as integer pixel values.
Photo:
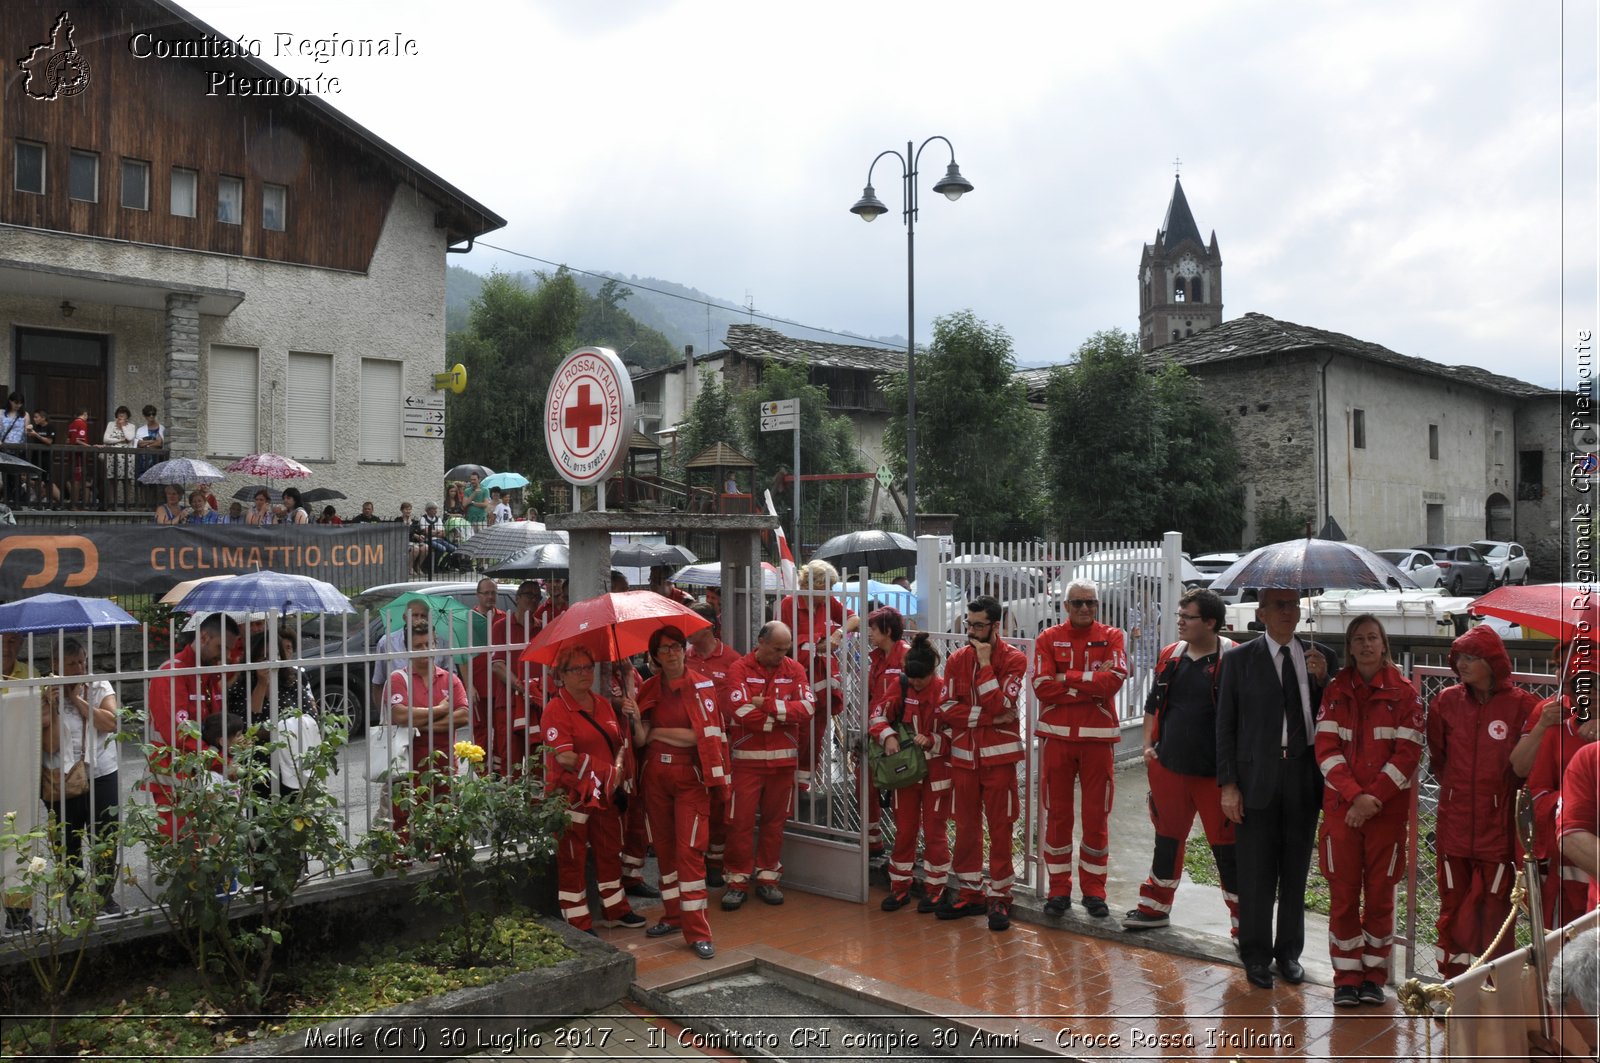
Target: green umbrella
(464, 626)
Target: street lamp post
(868, 207)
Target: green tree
(1135, 453)
(512, 344)
(827, 445)
(605, 323)
(977, 440)
(713, 418)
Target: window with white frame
(135, 184)
(274, 204)
(83, 176)
(309, 420)
(185, 184)
(233, 388)
(382, 410)
(28, 175)
(230, 200)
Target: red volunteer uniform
(1076, 675)
(1579, 811)
(402, 689)
(596, 826)
(923, 807)
(765, 753)
(503, 716)
(636, 820)
(717, 666)
(883, 678)
(980, 708)
(1469, 753)
(175, 700)
(1565, 890)
(677, 780)
(812, 620)
(1369, 742)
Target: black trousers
(1275, 842)
(83, 817)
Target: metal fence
(82, 478)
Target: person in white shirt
(82, 726)
(499, 512)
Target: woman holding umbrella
(684, 760)
(433, 702)
(589, 752)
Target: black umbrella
(876, 550)
(322, 494)
(248, 494)
(536, 562)
(1304, 564)
(463, 472)
(649, 555)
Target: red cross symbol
(582, 416)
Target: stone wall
(1543, 508)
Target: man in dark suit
(1267, 701)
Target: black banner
(112, 559)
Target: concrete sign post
(588, 416)
(780, 416)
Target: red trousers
(767, 792)
(979, 797)
(809, 737)
(1564, 891)
(596, 830)
(504, 745)
(1174, 802)
(925, 809)
(1362, 865)
(1474, 900)
(680, 828)
(718, 847)
(1063, 764)
(635, 834)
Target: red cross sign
(588, 415)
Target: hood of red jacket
(1483, 641)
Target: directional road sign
(424, 402)
(780, 407)
(424, 416)
(429, 431)
(781, 423)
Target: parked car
(1461, 568)
(1509, 560)
(1214, 565)
(344, 689)
(1418, 564)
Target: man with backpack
(1180, 754)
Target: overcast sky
(1420, 175)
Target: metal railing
(76, 477)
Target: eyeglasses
(979, 625)
(1188, 616)
(1084, 603)
(576, 668)
(670, 647)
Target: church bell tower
(1180, 278)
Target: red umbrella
(612, 626)
(1556, 609)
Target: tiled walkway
(1087, 997)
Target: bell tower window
(1197, 292)
(1178, 292)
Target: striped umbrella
(268, 591)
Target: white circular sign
(588, 415)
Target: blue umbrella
(270, 592)
(62, 612)
(506, 481)
(891, 594)
(182, 471)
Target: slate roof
(753, 341)
(719, 456)
(1257, 334)
(1178, 225)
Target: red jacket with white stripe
(765, 735)
(982, 705)
(813, 619)
(1077, 698)
(884, 671)
(921, 714)
(704, 717)
(1556, 749)
(1369, 740)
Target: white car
(1214, 565)
(1418, 564)
(1509, 560)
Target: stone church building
(1395, 450)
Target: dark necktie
(1292, 708)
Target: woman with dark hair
(120, 433)
(248, 693)
(912, 702)
(14, 422)
(588, 754)
(294, 510)
(151, 436)
(329, 516)
(1369, 743)
(455, 500)
(885, 626)
(83, 727)
(261, 509)
(684, 760)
